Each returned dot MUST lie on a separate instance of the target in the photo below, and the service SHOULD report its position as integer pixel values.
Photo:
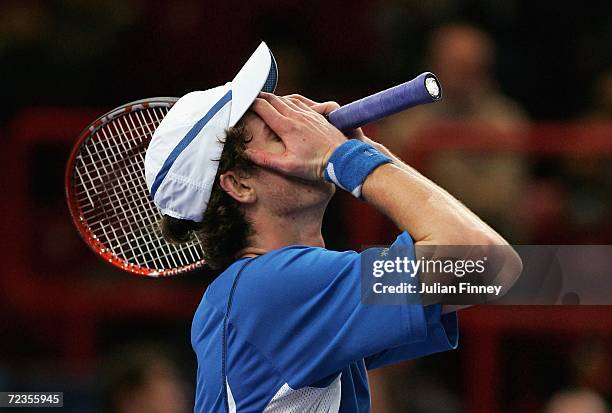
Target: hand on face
(328, 107)
(308, 137)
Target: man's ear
(237, 187)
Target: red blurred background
(523, 136)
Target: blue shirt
(297, 336)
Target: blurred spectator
(462, 56)
(143, 379)
(576, 401)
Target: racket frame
(76, 213)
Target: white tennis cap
(183, 156)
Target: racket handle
(425, 88)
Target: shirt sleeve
(301, 308)
(442, 335)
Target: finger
(268, 160)
(307, 110)
(275, 120)
(293, 105)
(325, 107)
(303, 99)
(299, 108)
(278, 103)
(299, 104)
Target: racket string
(153, 252)
(153, 224)
(114, 241)
(97, 161)
(123, 211)
(110, 240)
(145, 135)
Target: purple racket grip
(424, 88)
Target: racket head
(108, 198)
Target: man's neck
(273, 231)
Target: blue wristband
(351, 163)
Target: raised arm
(430, 214)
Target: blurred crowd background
(523, 136)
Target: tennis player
(282, 328)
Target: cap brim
(258, 73)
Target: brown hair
(224, 229)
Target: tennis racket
(105, 184)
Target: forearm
(433, 217)
(421, 181)
(426, 211)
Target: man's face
(281, 194)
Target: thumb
(325, 107)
